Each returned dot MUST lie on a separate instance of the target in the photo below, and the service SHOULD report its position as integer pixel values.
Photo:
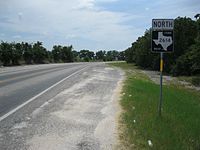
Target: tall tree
(56, 53)
(86, 55)
(75, 55)
(189, 62)
(16, 53)
(100, 55)
(6, 53)
(62, 54)
(40, 53)
(27, 52)
(1, 54)
(121, 55)
(112, 55)
(66, 54)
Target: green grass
(179, 126)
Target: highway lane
(18, 84)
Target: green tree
(27, 52)
(100, 55)
(130, 54)
(112, 55)
(6, 53)
(189, 63)
(122, 56)
(49, 57)
(1, 54)
(66, 54)
(56, 53)
(185, 32)
(86, 55)
(75, 55)
(63, 54)
(16, 53)
(40, 53)
(143, 56)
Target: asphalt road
(59, 106)
(18, 84)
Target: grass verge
(177, 129)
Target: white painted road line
(33, 98)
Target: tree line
(35, 53)
(185, 60)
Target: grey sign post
(162, 42)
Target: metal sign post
(161, 81)
(162, 42)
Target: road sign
(162, 41)
(162, 35)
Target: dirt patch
(155, 77)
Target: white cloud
(20, 14)
(85, 4)
(83, 23)
(16, 36)
(59, 20)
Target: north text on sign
(162, 24)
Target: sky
(86, 24)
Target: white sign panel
(162, 24)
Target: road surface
(59, 106)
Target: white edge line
(33, 98)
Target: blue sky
(86, 24)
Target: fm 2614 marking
(163, 40)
